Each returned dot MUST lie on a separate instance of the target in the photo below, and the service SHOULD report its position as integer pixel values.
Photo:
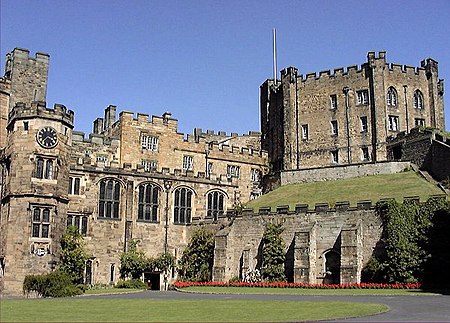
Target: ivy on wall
(273, 252)
(415, 243)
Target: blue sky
(205, 60)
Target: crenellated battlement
(39, 109)
(216, 147)
(340, 206)
(427, 66)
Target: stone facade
(322, 245)
(132, 178)
(345, 117)
(429, 149)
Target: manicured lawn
(140, 310)
(373, 188)
(303, 291)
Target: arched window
(391, 97)
(182, 205)
(108, 202)
(418, 100)
(148, 202)
(215, 204)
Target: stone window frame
(335, 156)
(305, 132)
(393, 123)
(45, 167)
(362, 97)
(109, 199)
(233, 171)
(149, 142)
(391, 97)
(333, 102)
(255, 175)
(80, 221)
(41, 216)
(188, 162)
(182, 205)
(148, 202)
(149, 165)
(419, 122)
(365, 155)
(74, 185)
(418, 100)
(364, 123)
(334, 128)
(215, 204)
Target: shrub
(273, 252)
(198, 257)
(131, 283)
(54, 284)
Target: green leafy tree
(273, 253)
(197, 260)
(73, 256)
(132, 262)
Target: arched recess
(332, 266)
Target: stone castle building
(136, 177)
(345, 117)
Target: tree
(73, 256)
(197, 261)
(273, 252)
(132, 262)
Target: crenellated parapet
(39, 109)
(324, 207)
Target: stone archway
(332, 266)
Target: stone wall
(310, 237)
(341, 172)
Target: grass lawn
(141, 310)
(373, 188)
(304, 291)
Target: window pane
(147, 212)
(101, 209)
(69, 220)
(46, 215)
(84, 221)
(76, 188)
(175, 215)
(109, 190)
(102, 190)
(117, 192)
(35, 230)
(108, 213)
(45, 228)
(116, 210)
(70, 185)
(141, 211)
(49, 169)
(148, 193)
(39, 168)
(37, 214)
(154, 213)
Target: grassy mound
(373, 188)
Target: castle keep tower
(35, 168)
(346, 117)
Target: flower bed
(299, 285)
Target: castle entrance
(153, 280)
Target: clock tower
(34, 193)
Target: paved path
(429, 308)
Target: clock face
(47, 137)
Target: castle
(136, 177)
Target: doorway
(153, 280)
